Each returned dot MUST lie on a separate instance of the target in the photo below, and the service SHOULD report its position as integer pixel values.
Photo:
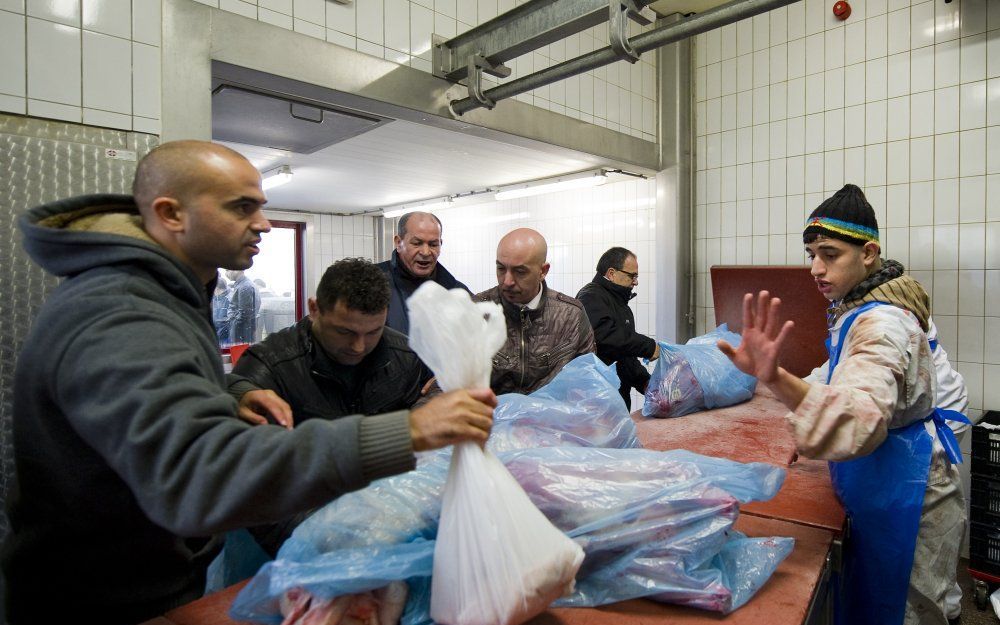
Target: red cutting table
(754, 432)
(805, 509)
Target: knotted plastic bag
(497, 559)
(692, 377)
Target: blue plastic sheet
(695, 376)
(581, 406)
(652, 524)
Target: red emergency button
(841, 10)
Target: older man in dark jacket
(545, 328)
(606, 298)
(414, 261)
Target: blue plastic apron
(883, 494)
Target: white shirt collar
(535, 301)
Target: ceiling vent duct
(241, 115)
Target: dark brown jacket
(539, 342)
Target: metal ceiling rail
(694, 25)
(523, 29)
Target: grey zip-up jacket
(539, 342)
(128, 451)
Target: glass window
(249, 305)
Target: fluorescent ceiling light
(276, 177)
(425, 206)
(551, 185)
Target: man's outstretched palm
(763, 335)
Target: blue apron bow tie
(940, 416)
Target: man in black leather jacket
(605, 298)
(341, 359)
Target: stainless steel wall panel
(43, 161)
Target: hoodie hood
(72, 236)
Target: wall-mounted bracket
(476, 66)
(620, 13)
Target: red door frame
(300, 287)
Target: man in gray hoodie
(129, 454)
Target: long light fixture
(578, 180)
(426, 206)
(276, 177)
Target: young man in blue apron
(878, 411)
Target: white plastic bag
(497, 560)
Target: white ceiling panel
(403, 162)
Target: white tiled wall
(578, 226)
(902, 99)
(98, 61)
(338, 237)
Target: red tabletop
(784, 599)
(754, 431)
(805, 508)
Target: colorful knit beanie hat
(846, 215)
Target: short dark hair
(359, 283)
(401, 224)
(614, 258)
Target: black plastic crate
(984, 500)
(984, 548)
(986, 447)
(985, 494)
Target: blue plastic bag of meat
(695, 376)
(652, 524)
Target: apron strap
(834, 352)
(944, 433)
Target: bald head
(182, 170)
(524, 243)
(202, 203)
(521, 266)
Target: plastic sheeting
(652, 524)
(581, 406)
(696, 376)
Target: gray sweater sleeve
(139, 390)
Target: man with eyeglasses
(605, 298)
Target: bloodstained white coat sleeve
(885, 379)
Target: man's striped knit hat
(846, 215)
